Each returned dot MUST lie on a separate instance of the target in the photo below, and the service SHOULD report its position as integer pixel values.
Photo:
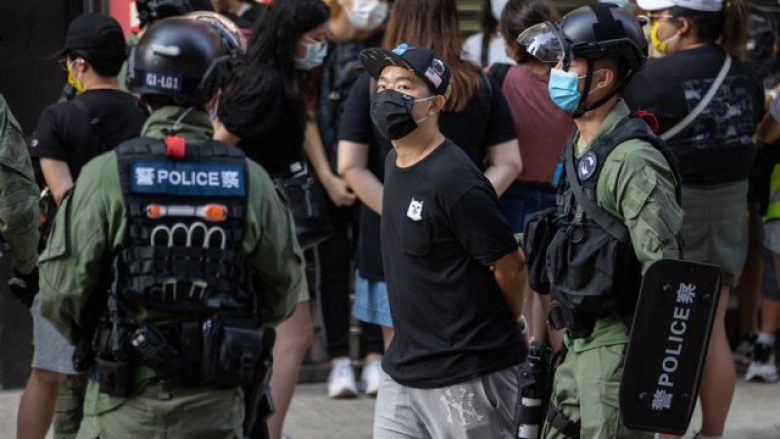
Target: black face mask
(391, 112)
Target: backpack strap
(498, 71)
(484, 55)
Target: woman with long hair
(265, 111)
(487, 46)
(704, 42)
(475, 117)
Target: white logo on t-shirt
(415, 210)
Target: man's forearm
(512, 277)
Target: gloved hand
(24, 287)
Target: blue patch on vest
(189, 179)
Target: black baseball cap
(419, 60)
(93, 31)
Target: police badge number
(587, 165)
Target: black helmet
(150, 11)
(592, 32)
(605, 30)
(178, 57)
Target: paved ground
(755, 414)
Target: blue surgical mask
(563, 89)
(315, 55)
(496, 7)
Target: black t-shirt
(441, 229)
(486, 121)
(92, 123)
(270, 128)
(716, 147)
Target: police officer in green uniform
(19, 211)
(617, 213)
(181, 247)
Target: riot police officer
(183, 249)
(617, 213)
(18, 206)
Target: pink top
(542, 128)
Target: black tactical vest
(185, 226)
(590, 262)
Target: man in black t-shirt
(454, 275)
(68, 135)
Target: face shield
(546, 43)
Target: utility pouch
(232, 350)
(115, 377)
(155, 351)
(538, 232)
(587, 265)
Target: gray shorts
(715, 227)
(483, 407)
(52, 351)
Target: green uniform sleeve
(86, 231)
(272, 248)
(637, 185)
(19, 211)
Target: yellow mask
(660, 45)
(75, 83)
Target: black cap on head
(93, 31)
(419, 60)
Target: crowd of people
(363, 146)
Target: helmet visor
(544, 42)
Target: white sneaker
(341, 380)
(371, 376)
(763, 367)
(743, 354)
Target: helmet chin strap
(582, 108)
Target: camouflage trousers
(586, 390)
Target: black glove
(24, 286)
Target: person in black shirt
(68, 135)
(454, 274)
(715, 151)
(354, 25)
(266, 111)
(476, 118)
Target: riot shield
(669, 338)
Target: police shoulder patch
(189, 179)
(587, 165)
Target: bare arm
(768, 131)
(57, 176)
(353, 167)
(505, 164)
(511, 276)
(337, 189)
